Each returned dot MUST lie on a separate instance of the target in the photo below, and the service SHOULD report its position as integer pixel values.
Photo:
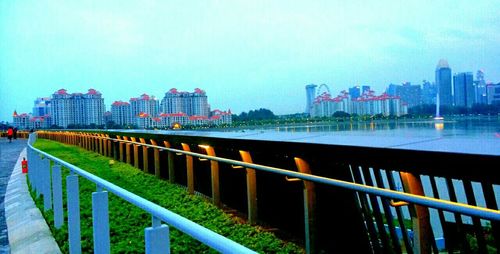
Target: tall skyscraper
(365, 89)
(310, 94)
(429, 92)
(42, 107)
(354, 92)
(480, 88)
(409, 94)
(493, 93)
(443, 82)
(463, 89)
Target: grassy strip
(127, 222)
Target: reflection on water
(439, 126)
(484, 127)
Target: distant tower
(480, 88)
(443, 82)
(354, 92)
(463, 89)
(310, 93)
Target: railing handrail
(465, 209)
(202, 234)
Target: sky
(245, 54)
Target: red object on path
(24, 165)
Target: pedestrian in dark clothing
(15, 133)
(31, 130)
(10, 132)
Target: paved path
(27, 230)
(9, 152)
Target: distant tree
(424, 109)
(258, 114)
(261, 114)
(341, 114)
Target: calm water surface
(482, 128)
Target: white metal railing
(156, 236)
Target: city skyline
(245, 58)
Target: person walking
(10, 132)
(15, 133)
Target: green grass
(127, 222)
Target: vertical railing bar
(399, 213)
(376, 210)
(442, 219)
(100, 221)
(458, 218)
(46, 185)
(73, 202)
(387, 211)
(157, 238)
(478, 229)
(366, 211)
(36, 175)
(57, 195)
(189, 169)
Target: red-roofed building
(76, 108)
(145, 104)
(195, 103)
(366, 104)
(121, 113)
(168, 120)
(21, 121)
(218, 117)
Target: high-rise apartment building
(463, 89)
(366, 104)
(121, 114)
(443, 83)
(62, 108)
(310, 94)
(77, 108)
(93, 108)
(192, 104)
(144, 104)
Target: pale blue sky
(245, 54)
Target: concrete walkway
(9, 151)
(27, 229)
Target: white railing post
(100, 222)
(75, 245)
(45, 181)
(157, 238)
(57, 195)
(31, 165)
(36, 176)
